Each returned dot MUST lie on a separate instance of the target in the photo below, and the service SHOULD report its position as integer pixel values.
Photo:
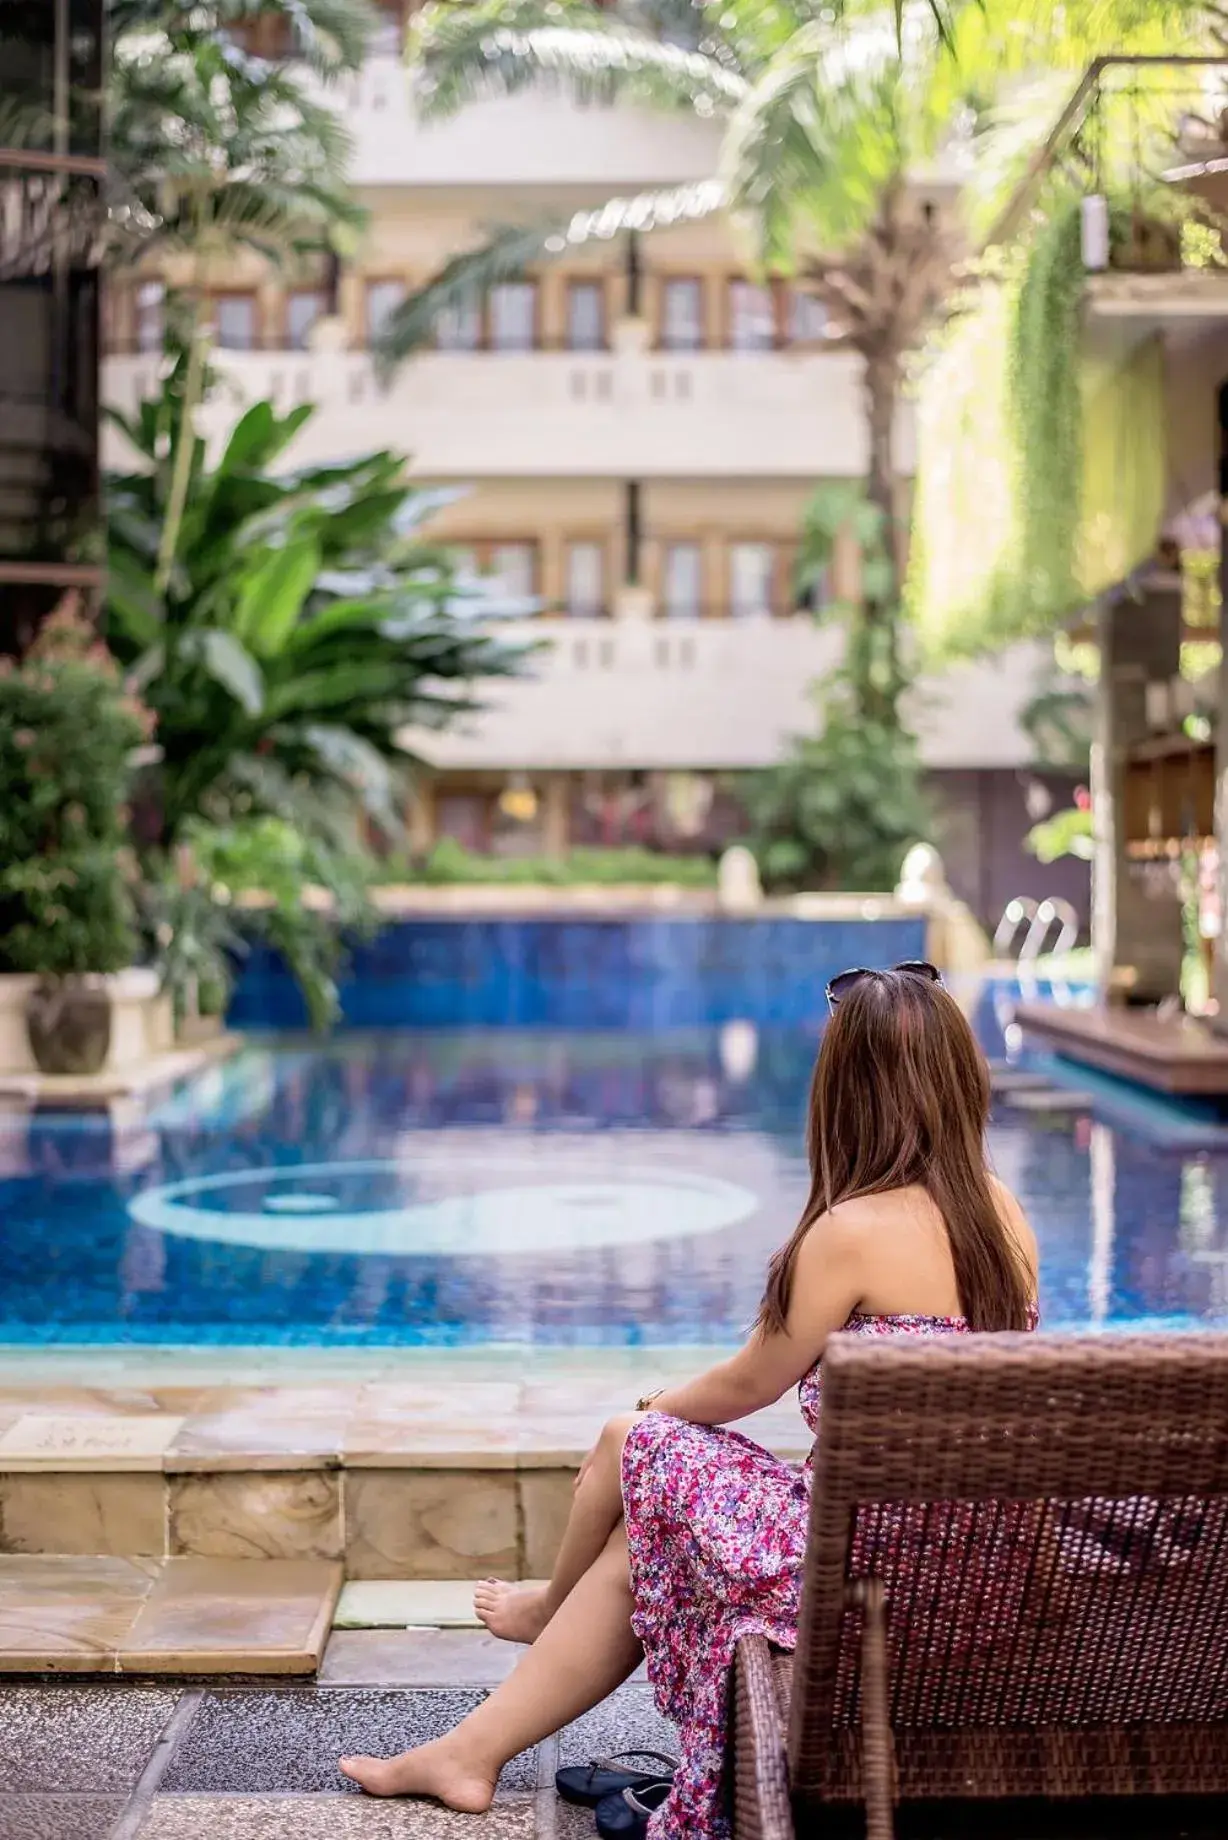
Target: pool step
(1050, 1099)
(414, 1603)
(72, 1614)
(1005, 1079)
(388, 1482)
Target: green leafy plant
(1042, 468)
(300, 895)
(212, 149)
(222, 150)
(1045, 399)
(227, 886)
(1066, 833)
(843, 808)
(1058, 719)
(68, 731)
(824, 117)
(449, 862)
(845, 805)
(305, 629)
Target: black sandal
(626, 1816)
(586, 1784)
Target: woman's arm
(827, 1287)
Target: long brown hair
(900, 1099)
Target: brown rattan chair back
(1047, 1522)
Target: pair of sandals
(622, 1799)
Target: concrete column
(552, 307)
(555, 815)
(270, 314)
(716, 574)
(421, 816)
(845, 570)
(351, 304)
(1136, 920)
(552, 565)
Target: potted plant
(68, 735)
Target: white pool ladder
(1040, 917)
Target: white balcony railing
(534, 139)
(721, 694)
(485, 415)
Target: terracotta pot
(69, 1024)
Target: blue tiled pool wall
(640, 973)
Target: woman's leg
(585, 1651)
(519, 1614)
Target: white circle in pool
(515, 1217)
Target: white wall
(712, 694)
(548, 414)
(535, 138)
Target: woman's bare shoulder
(1016, 1220)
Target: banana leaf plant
(307, 625)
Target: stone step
(392, 1482)
(75, 1614)
(1051, 1099)
(419, 1603)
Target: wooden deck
(1173, 1056)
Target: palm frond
(495, 48)
(825, 131)
(211, 143)
(511, 248)
(330, 35)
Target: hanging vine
(1042, 473)
(1046, 413)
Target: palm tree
(214, 148)
(828, 124)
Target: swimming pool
(537, 1188)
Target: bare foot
(516, 1612)
(440, 1769)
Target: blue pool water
(541, 1187)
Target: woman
(684, 1537)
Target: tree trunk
(181, 466)
(879, 638)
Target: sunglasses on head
(841, 986)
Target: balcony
(711, 694)
(487, 415)
(534, 139)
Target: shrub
(450, 862)
(68, 733)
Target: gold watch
(646, 1403)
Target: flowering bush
(68, 732)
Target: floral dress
(716, 1528)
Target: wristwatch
(646, 1403)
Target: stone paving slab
(404, 1603)
(58, 1817)
(252, 1742)
(328, 1817)
(417, 1658)
(207, 1616)
(79, 1740)
(623, 1722)
(68, 1615)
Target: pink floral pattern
(716, 1528)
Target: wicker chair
(1015, 1609)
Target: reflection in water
(1131, 1228)
(1100, 1265)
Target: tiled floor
(81, 1615)
(439, 1416)
(120, 1762)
